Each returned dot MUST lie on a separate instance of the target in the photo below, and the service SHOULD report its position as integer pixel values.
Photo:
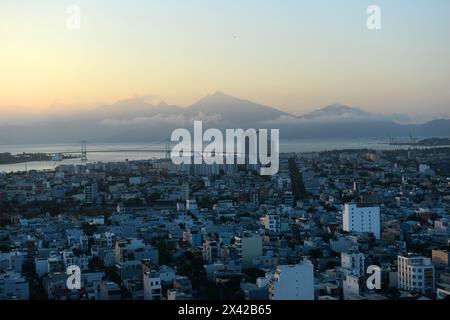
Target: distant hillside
(134, 120)
(233, 110)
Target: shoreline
(45, 165)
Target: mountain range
(135, 120)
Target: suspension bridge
(154, 148)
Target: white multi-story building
(133, 249)
(353, 263)
(416, 274)
(110, 239)
(70, 259)
(362, 218)
(294, 282)
(152, 282)
(272, 223)
(210, 251)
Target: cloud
(289, 120)
(172, 120)
(282, 120)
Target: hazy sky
(292, 54)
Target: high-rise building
(90, 193)
(362, 218)
(294, 282)
(416, 274)
(249, 246)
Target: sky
(296, 55)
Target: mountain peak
(233, 109)
(220, 95)
(337, 106)
(219, 98)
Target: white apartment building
(70, 259)
(362, 218)
(210, 251)
(152, 282)
(134, 249)
(110, 239)
(416, 274)
(353, 263)
(272, 223)
(294, 282)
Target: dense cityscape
(152, 230)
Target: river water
(103, 151)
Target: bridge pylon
(83, 151)
(168, 150)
